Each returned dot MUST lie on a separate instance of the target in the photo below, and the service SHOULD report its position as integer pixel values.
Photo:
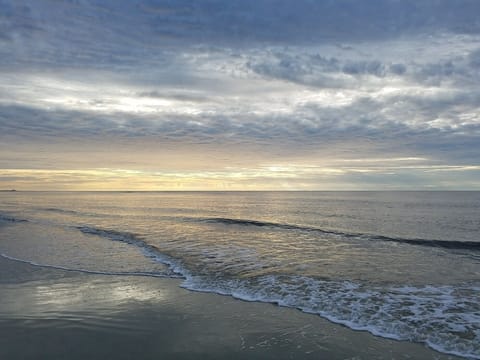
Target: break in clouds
(240, 94)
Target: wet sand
(56, 314)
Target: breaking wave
(447, 244)
(446, 318)
(8, 218)
(149, 250)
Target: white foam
(445, 318)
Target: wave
(447, 244)
(443, 317)
(74, 212)
(149, 250)
(7, 218)
(87, 271)
(438, 316)
(58, 210)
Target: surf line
(86, 271)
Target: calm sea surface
(403, 265)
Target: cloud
(188, 96)
(187, 86)
(398, 69)
(474, 58)
(129, 32)
(326, 66)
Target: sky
(240, 95)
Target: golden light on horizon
(136, 180)
(268, 177)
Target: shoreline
(53, 313)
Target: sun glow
(267, 177)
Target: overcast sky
(240, 95)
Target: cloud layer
(227, 93)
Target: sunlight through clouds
(151, 95)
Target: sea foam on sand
(50, 313)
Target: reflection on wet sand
(54, 314)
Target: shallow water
(403, 265)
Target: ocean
(400, 265)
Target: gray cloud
(398, 69)
(280, 20)
(474, 58)
(309, 127)
(177, 95)
(127, 32)
(324, 71)
(249, 80)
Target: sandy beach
(55, 314)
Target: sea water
(402, 265)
